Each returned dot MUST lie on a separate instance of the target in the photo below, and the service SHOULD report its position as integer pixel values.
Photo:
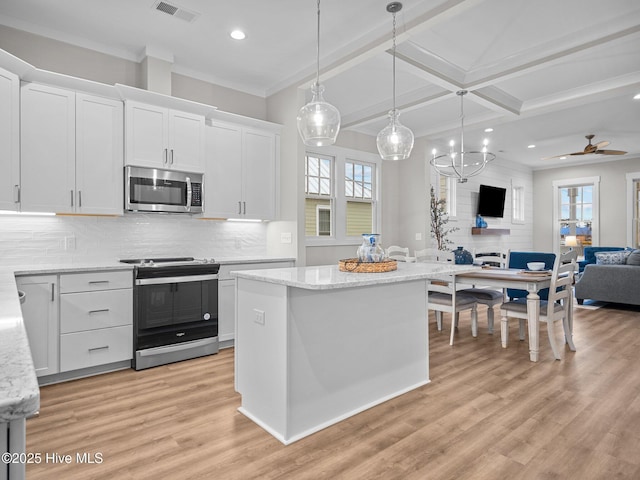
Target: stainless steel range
(175, 314)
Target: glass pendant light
(318, 121)
(394, 141)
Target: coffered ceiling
(542, 73)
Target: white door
(223, 176)
(9, 140)
(99, 155)
(259, 173)
(186, 141)
(147, 137)
(40, 313)
(47, 142)
(226, 310)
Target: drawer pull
(103, 310)
(93, 282)
(99, 348)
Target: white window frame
(324, 207)
(595, 224)
(632, 209)
(339, 204)
(517, 204)
(451, 195)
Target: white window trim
(324, 207)
(631, 178)
(341, 156)
(514, 219)
(595, 224)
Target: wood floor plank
(488, 413)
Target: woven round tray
(355, 265)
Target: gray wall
(613, 208)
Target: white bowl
(535, 265)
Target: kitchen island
(315, 345)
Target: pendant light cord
(318, 50)
(394, 61)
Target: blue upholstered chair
(520, 260)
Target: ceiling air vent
(175, 11)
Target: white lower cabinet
(40, 314)
(227, 296)
(96, 319)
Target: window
(358, 192)
(447, 191)
(575, 214)
(340, 196)
(319, 197)
(633, 209)
(517, 204)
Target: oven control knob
(207, 316)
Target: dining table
(531, 281)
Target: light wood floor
(489, 413)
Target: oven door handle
(183, 279)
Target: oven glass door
(172, 304)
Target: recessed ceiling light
(488, 130)
(563, 158)
(636, 96)
(238, 35)
(531, 146)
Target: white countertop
(327, 277)
(19, 390)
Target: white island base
(309, 357)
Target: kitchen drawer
(99, 280)
(224, 273)
(91, 310)
(96, 347)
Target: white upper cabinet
(159, 137)
(47, 138)
(99, 155)
(71, 152)
(241, 172)
(9, 141)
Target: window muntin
(319, 201)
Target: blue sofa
(590, 255)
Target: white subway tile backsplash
(40, 240)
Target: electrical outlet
(70, 243)
(285, 237)
(259, 318)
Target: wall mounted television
(491, 201)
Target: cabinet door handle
(244, 207)
(79, 198)
(105, 347)
(102, 310)
(239, 208)
(72, 198)
(164, 158)
(53, 292)
(16, 193)
(172, 156)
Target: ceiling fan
(591, 148)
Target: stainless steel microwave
(157, 190)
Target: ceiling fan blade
(602, 144)
(611, 152)
(563, 155)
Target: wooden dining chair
(396, 252)
(489, 296)
(443, 297)
(555, 308)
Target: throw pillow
(611, 258)
(634, 258)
